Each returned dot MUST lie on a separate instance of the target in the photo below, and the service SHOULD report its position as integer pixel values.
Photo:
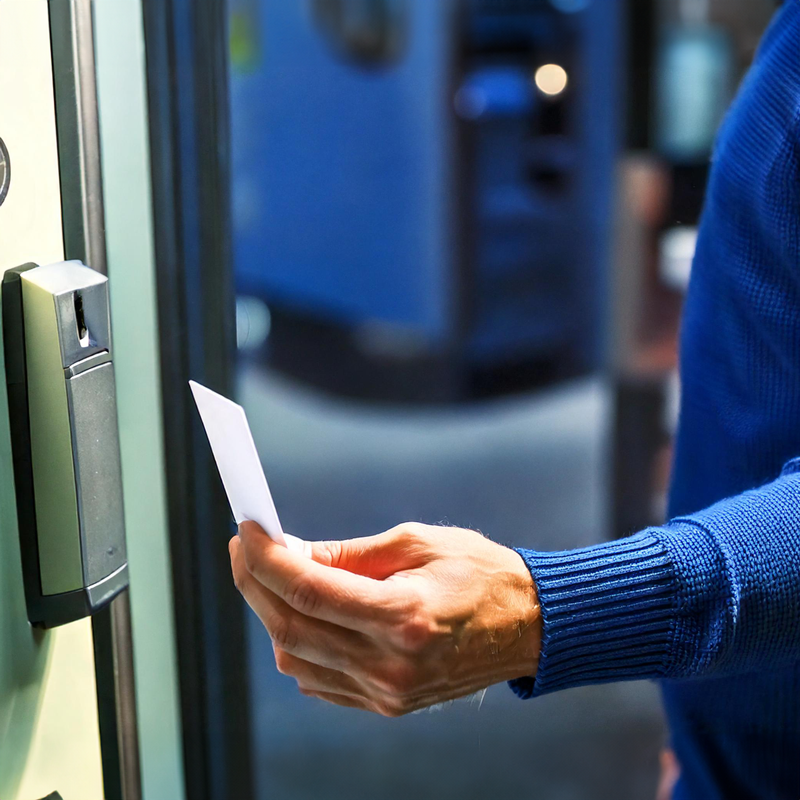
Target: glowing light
(551, 79)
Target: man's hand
(395, 622)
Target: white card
(238, 462)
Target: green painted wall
(126, 174)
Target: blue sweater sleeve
(714, 593)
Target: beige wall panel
(49, 736)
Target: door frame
(186, 45)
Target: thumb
(293, 543)
(376, 557)
(297, 545)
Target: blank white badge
(238, 463)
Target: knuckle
(282, 661)
(282, 632)
(333, 553)
(412, 531)
(416, 633)
(392, 708)
(397, 681)
(407, 534)
(250, 560)
(302, 595)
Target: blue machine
(397, 164)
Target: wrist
(525, 617)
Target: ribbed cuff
(607, 613)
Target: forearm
(717, 592)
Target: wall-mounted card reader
(65, 439)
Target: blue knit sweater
(709, 604)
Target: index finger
(334, 595)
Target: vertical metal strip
(71, 34)
(78, 131)
(113, 653)
(127, 731)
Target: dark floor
(527, 471)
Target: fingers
(335, 687)
(338, 700)
(375, 557)
(315, 590)
(297, 545)
(312, 677)
(304, 637)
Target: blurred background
(462, 233)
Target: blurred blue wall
(341, 172)
(373, 193)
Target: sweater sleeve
(713, 593)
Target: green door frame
(124, 134)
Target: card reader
(65, 439)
